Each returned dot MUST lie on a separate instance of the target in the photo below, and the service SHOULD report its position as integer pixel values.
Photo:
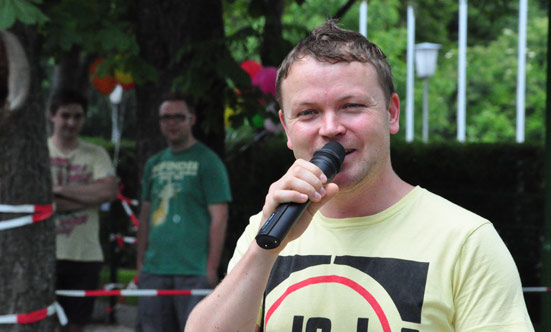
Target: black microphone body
(329, 159)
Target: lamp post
(426, 55)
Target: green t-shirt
(180, 186)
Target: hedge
(501, 182)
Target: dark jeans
(75, 275)
(167, 313)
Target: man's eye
(307, 113)
(353, 106)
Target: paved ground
(125, 314)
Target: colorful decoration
(265, 79)
(251, 67)
(125, 80)
(227, 114)
(258, 121)
(105, 84)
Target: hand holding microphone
(329, 159)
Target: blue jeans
(167, 313)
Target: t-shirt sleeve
(102, 164)
(487, 289)
(245, 240)
(216, 184)
(243, 244)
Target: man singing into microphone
(371, 252)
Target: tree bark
(274, 48)
(164, 29)
(27, 253)
(72, 72)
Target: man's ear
(282, 120)
(394, 113)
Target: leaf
(257, 8)
(28, 13)
(7, 14)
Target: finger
(331, 190)
(305, 178)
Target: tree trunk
(274, 48)
(72, 72)
(164, 29)
(27, 253)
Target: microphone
(329, 159)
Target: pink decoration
(265, 79)
(251, 67)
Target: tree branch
(340, 13)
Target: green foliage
(22, 10)
(106, 28)
(99, 28)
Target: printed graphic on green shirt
(170, 175)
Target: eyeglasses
(76, 116)
(175, 117)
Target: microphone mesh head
(337, 148)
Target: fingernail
(323, 178)
(317, 196)
(322, 191)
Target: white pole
(462, 68)
(363, 18)
(426, 110)
(521, 69)
(410, 66)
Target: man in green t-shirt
(183, 217)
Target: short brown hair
(66, 97)
(330, 43)
(177, 96)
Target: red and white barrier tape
(125, 201)
(40, 212)
(134, 292)
(121, 240)
(36, 316)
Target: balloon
(258, 121)
(18, 71)
(105, 84)
(125, 80)
(265, 79)
(251, 67)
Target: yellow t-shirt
(77, 232)
(424, 264)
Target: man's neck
(368, 199)
(65, 145)
(182, 146)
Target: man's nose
(331, 125)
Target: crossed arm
(82, 196)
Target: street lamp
(426, 55)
